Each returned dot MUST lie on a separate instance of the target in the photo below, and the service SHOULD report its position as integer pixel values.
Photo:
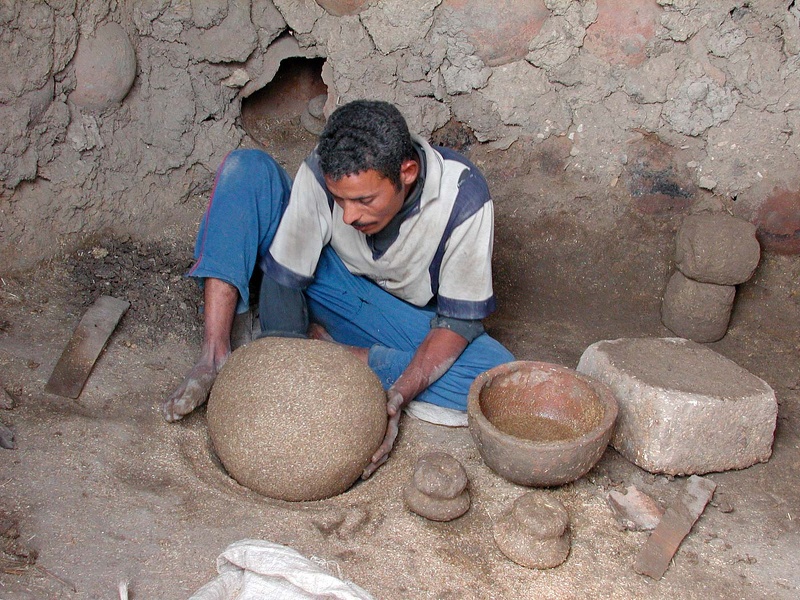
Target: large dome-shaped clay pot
(296, 419)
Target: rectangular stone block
(683, 408)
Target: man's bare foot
(318, 332)
(193, 392)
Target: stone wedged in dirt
(683, 408)
(695, 310)
(717, 249)
(105, 67)
(533, 531)
(296, 419)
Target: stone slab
(683, 408)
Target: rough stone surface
(697, 311)
(534, 532)
(683, 408)
(296, 419)
(105, 67)
(717, 249)
(340, 8)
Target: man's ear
(409, 171)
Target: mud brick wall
(113, 114)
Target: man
(382, 243)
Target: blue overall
(250, 194)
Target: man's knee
(489, 353)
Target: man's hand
(394, 405)
(437, 352)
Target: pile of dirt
(151, 276)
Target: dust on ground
(102, 489)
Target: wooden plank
(654, 557)
(83, 349)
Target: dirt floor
(101, 489)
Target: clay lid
(439, 475)
(540, 515)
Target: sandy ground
(103, 489)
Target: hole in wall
(277, 116)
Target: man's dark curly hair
(364, 135)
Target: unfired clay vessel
(296, 419)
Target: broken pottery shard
(635, 510)
(86, 344)
(657, 552)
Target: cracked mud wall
(677, 105)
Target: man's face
(369, 200)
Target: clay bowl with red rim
(540, 424)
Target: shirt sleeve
(469, 329)
(465, 276)
(304, 230)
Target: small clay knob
(540, 516)
(439, 475)
(438, 488)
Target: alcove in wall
(278, 116)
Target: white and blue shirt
(436, 251)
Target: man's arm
(435, 355)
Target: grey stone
(717, 249)
(683, 408)
(695, 310)
(296, 419)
